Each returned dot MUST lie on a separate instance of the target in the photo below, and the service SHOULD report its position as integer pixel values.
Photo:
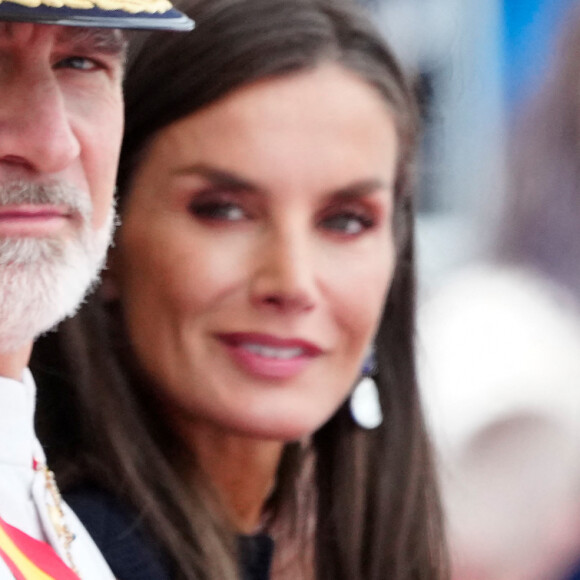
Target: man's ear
(109, 286)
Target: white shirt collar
(17, 404)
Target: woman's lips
(269, 357)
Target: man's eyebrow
(103, 40)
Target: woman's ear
(109, 285)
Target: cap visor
(172, 19)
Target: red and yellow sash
(30, 559)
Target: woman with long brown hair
(219, 398)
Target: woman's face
(257, 250)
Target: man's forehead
(104, 39)
(109, 40)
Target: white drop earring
(365, 406)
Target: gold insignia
(55, 511)
(131, 6)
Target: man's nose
(35, 126)
(285, 279)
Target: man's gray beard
(44, 280)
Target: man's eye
(348, 223)
(219, 211)
(81, 63)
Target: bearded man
(61, 121)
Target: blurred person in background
(214, 382)
(501, 368)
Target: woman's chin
(276, 428)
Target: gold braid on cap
(131, 6)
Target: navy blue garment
(256, 556)
(575, 575)
(118, 533)
(133, 555)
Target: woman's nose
(285, 278)
(35, 127)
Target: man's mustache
(25, 193)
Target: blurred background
(478, 63)
(499, 255)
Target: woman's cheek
(208, 269)
(363, 293)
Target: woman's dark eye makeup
(348, 222)
(349, 219)
(350, 216)
(216, 206)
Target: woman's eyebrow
(101, 40)
(219, 177)
(362, 188)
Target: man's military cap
(135, 14)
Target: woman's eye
(347, 223)
(219, 211)
(78, 63)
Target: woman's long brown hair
(374, 498)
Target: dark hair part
(539, 227)
(374, 494)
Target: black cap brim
(171, 19)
